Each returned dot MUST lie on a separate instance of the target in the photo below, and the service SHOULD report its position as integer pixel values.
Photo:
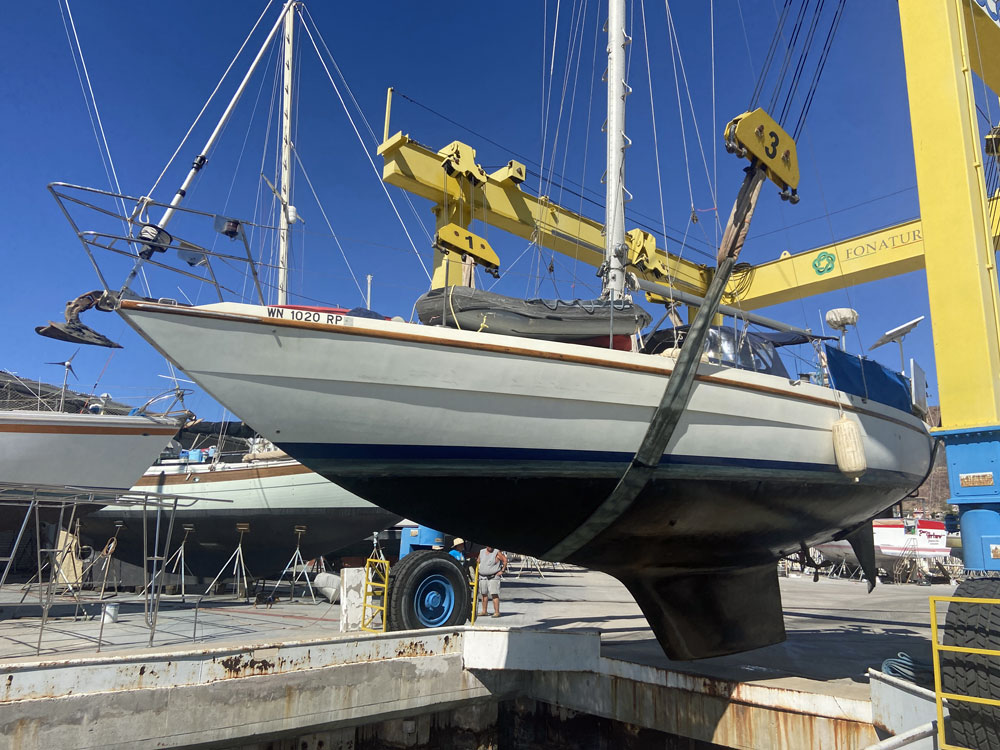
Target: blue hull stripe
(350, 452)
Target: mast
(614, 225)
(286, 158)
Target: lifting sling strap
(675, 398)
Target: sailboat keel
(703, 614)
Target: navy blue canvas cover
(867, 378)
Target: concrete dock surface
(836, 630)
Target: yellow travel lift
(945, 42)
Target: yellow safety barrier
(936, 648)
(474, 583)
(376, 597)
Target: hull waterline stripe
(482, 346)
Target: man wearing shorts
(492, 565)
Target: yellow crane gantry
(954, 239)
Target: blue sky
(485, 66)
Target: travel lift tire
(973, 626)
(428, 589)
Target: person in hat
(458, 549)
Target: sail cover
(557, 320)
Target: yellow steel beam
(983, 35)
(870, 257)
(464, 192)
(958, 247)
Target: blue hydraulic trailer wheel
(428, 589)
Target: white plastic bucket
(110, 612)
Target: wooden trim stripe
(79, 429)
(500, 349)
(287, 469)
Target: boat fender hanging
(849, 448)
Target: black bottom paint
(698, 554)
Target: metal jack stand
(239, 572)
(178, 562)
(298, 567)
(527, 561)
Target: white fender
(849, 448)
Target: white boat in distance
(272, 495)
(921, 538)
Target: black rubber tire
(405, 578)
(973, 626)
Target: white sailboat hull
(80, 450)
(89, 451)
(273, 496)
(515, 443)
(924, 540)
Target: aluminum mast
(287, 211)
(614, 225)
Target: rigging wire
(800, 66)
(329, 226)
(96, 124)
(239, 160)
(575, 28)
(375, 169)
(546, 107)
(586, 148)
(586, 144)
(769, 59)
(680, 108)
(789, 49)
(694, 120)
(862, 204)
(715, 132)
(824, 54)
(746, 37)
(364, 119)
(656, 143)
(210, 97)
